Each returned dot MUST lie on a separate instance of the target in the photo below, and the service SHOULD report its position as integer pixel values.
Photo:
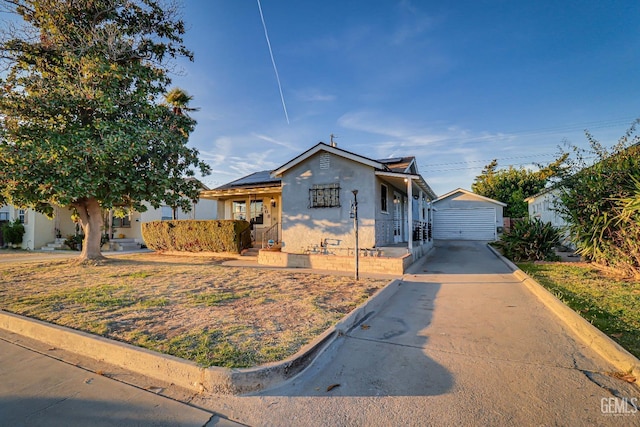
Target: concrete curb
(597, 340)
(184, 373)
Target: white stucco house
(545, 205)
(307, 204)
(38, 229)
(463, 215)
(125, 233)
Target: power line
(486, 161)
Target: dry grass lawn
(189, 307)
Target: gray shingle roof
(262, 178)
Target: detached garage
(463, 215)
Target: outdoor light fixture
(273, 202)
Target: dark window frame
(324, 196)
(384, 198)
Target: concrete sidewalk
(38, 390)
(462, 342)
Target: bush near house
(601, 203)
(197, 236)
(12, 233)
(530, 240)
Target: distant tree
(82, 123)
(513, 185)
(178, 100)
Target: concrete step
(251, 252)
(57, 245)
(393, 252)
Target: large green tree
(513, 185)
(82, 118)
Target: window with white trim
(240, 210)
(166, 213)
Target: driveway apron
(462, 342)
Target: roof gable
(401, 164)
(469, 193)
(321, 146)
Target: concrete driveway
(461, 343)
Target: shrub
(197, 236)
(12, 233)
(595, 199)
(530, 240)
(74, 242)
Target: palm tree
(178, 99)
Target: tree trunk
(91, 222)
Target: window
(257, 214)
(240, 210)
(22, 216)
(121, 222)
(167, 213)
(324, 196)
(383, 198)
(4, 216)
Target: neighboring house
(544, 206)
(129, 227)
(463, 215)
(38, 229)
(124, 233)
(307, 203)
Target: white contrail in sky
(273, 61)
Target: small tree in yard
(82, 123)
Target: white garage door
(465, 224)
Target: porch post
(421, 215)
(410, 213)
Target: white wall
(544, 208)
(303, 227)
(461, 200)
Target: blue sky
(455, 84)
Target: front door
(397, 218)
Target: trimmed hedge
(197, 236)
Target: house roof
(321, 146)
(470, 193)
(396, 170)
(256, 179)
(544, 191)
(399, 164)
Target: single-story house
(463, 215)
(544, 206)
(308, 203)
(38, 229)
(125, 233)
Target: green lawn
(611, 305)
